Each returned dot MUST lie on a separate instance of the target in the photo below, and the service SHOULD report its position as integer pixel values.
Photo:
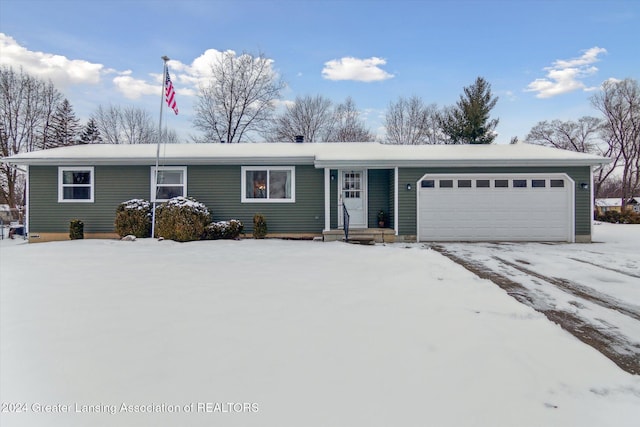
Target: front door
(353, 196)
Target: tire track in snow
(580, 291)
(617, 348)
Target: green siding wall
(113, 185)
(218, 187)
(378, 191)
(407, 199)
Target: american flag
(170, 94)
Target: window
(482, 183)
(501, 183)
(268, 184)
(538, 183)
(446, 183)
(172, 182)
(464, 183)
(519, 183)
(75, 184)
(556, 183)
(427, 183)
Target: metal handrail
(345, 222)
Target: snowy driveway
(592, 290)
(283, 333)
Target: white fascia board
(150, 161)
(480, 163)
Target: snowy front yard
(284, 333)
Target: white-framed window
(172, 182)
(271, 184)
(76, 184)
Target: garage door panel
(496, 214)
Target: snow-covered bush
(259, 226)
(224, 230)
(133, 217)
(182, 219)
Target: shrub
(182, 219)
(630, 217)
(133, 217)
(76, 229)
(223, 230)
(615, 217)
(259, 226)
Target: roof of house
(615, 201)
(609, 202)
(319, 154)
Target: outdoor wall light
(408, 187)
(584, 185)
(333, 177)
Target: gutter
(150, 161)
(479, 163)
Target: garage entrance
(495, 207)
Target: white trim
(61, 186)
(593, 201)
(396, 181)
(327, 199)
(26, 204)
(152, 188)
(243, 184)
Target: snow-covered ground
(293, 333)
(593, 287)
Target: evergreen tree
(91, 133)
(468, 121)
(65, 126)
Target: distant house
(615, 204)
(516, 192)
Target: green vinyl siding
(407, 199)
(378, 195)
(219, 188)
(113, 185)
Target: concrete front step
(378, 235)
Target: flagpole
(155, 177)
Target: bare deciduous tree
(308, 116)
(347, 125)
(125, 125)
(583, 136)
(26, 107)
(239, 98)
(410, 121)
(619, 101)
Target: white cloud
(362, 70)
(61, 70)
(566, 75)
(135, 88)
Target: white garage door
(496, 207)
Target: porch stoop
(378, 235)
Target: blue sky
(544, 59)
